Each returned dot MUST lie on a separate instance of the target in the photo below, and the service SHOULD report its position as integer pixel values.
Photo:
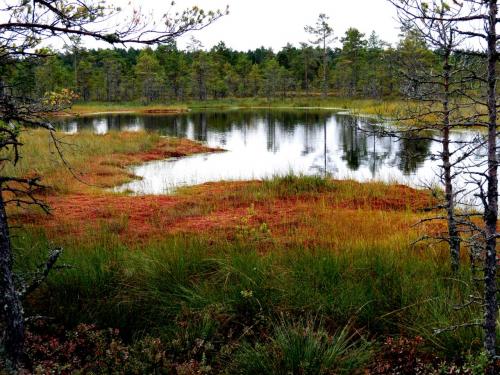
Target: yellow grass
(92, 161)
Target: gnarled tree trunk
(491, 211)
(13, 339)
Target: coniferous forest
(362, 66)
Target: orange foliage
(318, 219)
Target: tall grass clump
(81, 291)
(303, 348)
(291, 184)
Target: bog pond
(265, 143)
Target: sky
(274, 23)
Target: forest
(364, 66)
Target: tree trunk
(324, 67)
(13, 339)
(453, 234)
(491, 211)
(75, 68)
(306, 68)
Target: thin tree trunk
(324, 67)
(12, 309)
(306, 68)
(491, 211)
(453, 234)
(75, 67)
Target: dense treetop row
(361, 66)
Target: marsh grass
(292, 185)
(184, 284)
(303, 348)
(40, 157)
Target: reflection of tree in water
(79, 124)
(200, 128)
(172, 126)
(308, 141)
(379, 149)
(310, 122)
(220, 122)
(284, 124)
(354, 142)
(272, 141)
(323, 162)
(412, 154)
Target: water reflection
(262, 143)
(354, 142)
(412, 154)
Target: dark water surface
(264, 143)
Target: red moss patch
(394, 198)
(165, 149)
(222, 210)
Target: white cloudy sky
(273, 23)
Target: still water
(265, 143)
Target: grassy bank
(235, 300)
(92, 161)
(280, 213)
(367, 106)
(93, 108)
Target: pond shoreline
(146, 111)
(263, 143)
(385, 107)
